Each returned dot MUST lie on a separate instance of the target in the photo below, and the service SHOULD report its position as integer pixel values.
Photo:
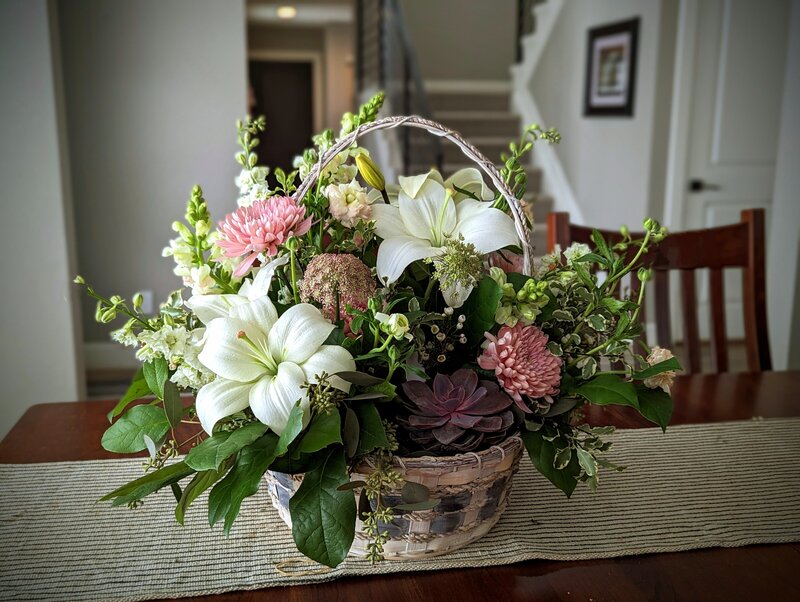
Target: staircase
(485, 119)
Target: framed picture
(611, 69)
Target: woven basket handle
(436, 129)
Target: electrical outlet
(147, 302)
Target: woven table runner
(697, 486)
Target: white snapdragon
(183, 254)
(349, 203)
(201, 281)
(252, 185)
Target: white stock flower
(201, 281)
(419, 225)
(168, 341)
(349, 203)
(575, 251)
(262, 361)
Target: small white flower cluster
(575, 251)
(252, 185)
(336, 171)
(180, 347)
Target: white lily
(468, 179)
(262, 361)
(418, 227)
(208, 307)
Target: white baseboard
(108, 355)
(467, 86)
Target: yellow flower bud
(370, 172)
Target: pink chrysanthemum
(522, 363)
(261, 228)
(333, 275)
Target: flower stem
(294, 276)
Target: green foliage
(126, 435)
(513, 169)
(609, 389)
(242, 481)
(655, 405)
(137, 389)
(543, 455)
(323, 517)
(480, 309)
(156, 373)
(371, 432)
(211, 453)
(173, 406)
(293, 427)
(152, 481)
(324, 430)
(659, 368)
(201, 482)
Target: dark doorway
(284, 95)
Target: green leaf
(360, 378)
(126, 435)
(668, 364)
(176, 491)
(418, 506)
(242, 481)
(351, 433)
(349, 486)
(150, 482)
(200, 483)
(173, 406)
(481, 307)
(292, 429)
(601, 244)
(323, 518)
(606, 389)
(209, 454)
(616, 305)
(371, 432)
(592, 257)
(543, 453)
(137, 389)
(587, 461)
(597, 322)
(385, 388)
(324, 430)
(413, 493)
(655, 405)
(156, 373)
(563, 456)
(561, 315)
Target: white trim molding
(467, 86)
(554, 180)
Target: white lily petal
(471, 180)
(208, 307)
(411, 185)
(430, 214)
(388, 222)
(456, 295)
(298, 333)
(396, 253)
(228, 356)
(263, 280)
(220, 399)
(261, 312)
(487, 228)
(273, 397)
(330, 359)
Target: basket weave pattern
(472, 488)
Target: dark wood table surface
(71, 431)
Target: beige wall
(39, 361)
(783, 251)
(153, 90)
(608, 159)
(463, 39)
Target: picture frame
(611, 69)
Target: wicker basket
(472, 488)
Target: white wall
(38, 357)
(462, 39)
(153, 90)
(783, 250)
(339, 73)
(606, 159)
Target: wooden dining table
(71, 431)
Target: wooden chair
(738, 245)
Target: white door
(731, 77)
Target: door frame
(300, 56)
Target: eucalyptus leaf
(349, 486)
(418, 506)
(210, 453)
(150, 445)
(361, 379)
(323, 518)
(369, 395)
(351, 433)
(126, 435)
(413, 493)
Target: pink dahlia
(522, 363)
(261, 228)
(337, 276)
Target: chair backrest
(739, 245)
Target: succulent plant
(457, 413)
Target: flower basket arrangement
(379, 355)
